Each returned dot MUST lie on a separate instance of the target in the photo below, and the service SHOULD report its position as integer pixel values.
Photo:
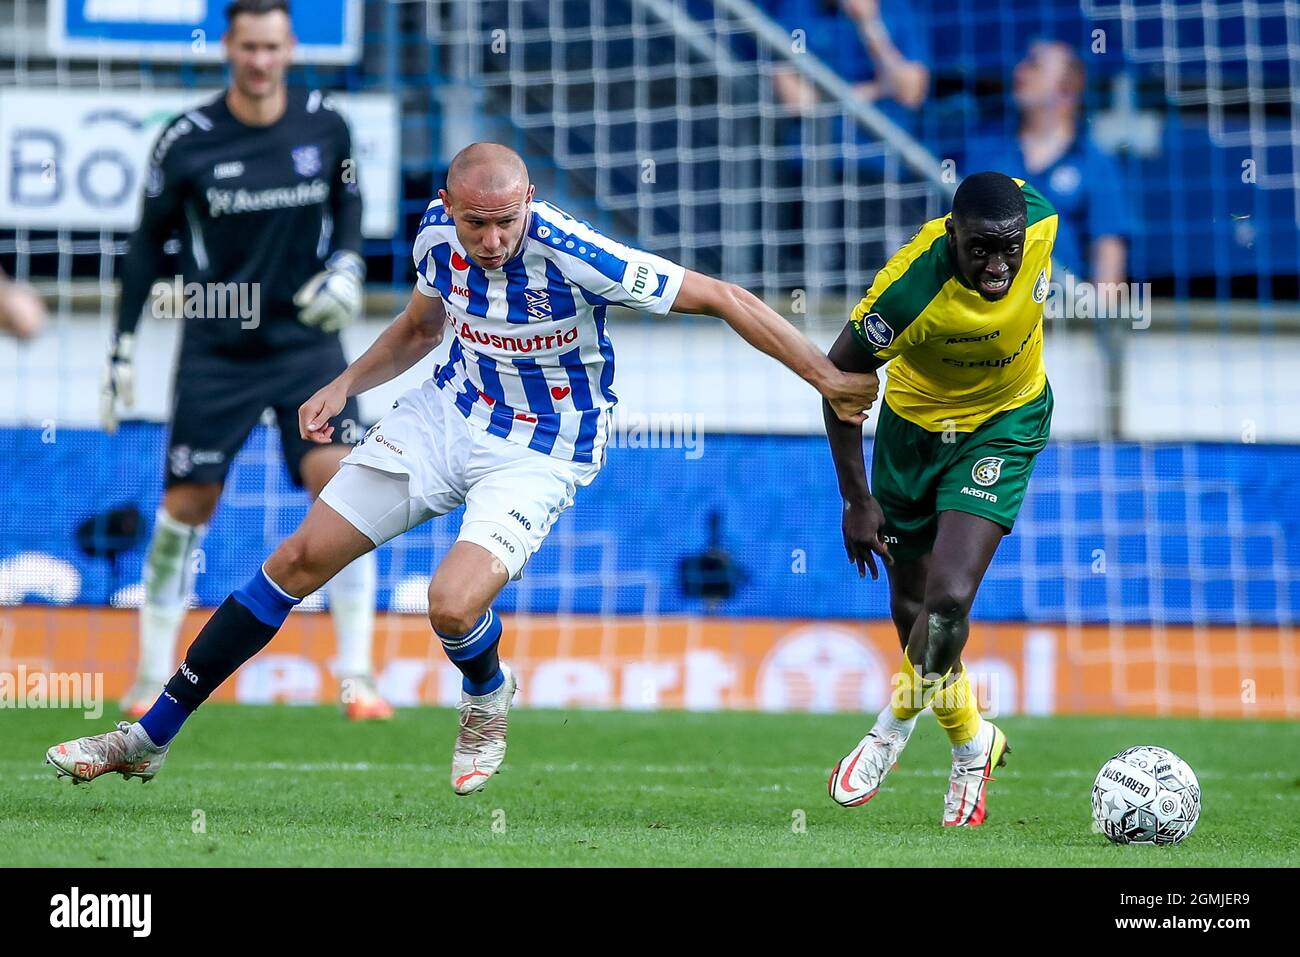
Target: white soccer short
(424, 459)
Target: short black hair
(988, 197)
(236, 7)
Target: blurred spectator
(22, 313)
(1054, 150)
(881, 50)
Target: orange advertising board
(702, 663)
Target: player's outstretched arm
(850, 394)
(415, 333)
(863, 518)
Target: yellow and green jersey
(960, 358)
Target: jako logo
(103, 910)
(190, 676)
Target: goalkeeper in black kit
(260, 187)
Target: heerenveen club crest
(539, 303)
(306, 160)
(987, 470)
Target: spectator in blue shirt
(879, 48)
(1055, 152)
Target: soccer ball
(1146, 795)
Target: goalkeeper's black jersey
(260, 207)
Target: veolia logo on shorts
(387, 443)
(987, 470)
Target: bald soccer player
(510, 427)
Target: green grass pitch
(300, 786)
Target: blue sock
(268, 602)
(475, 654)
(164, 719)
(489, 665)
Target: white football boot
(964, 804)
(857, 777)
(481, 742)
(127, 751)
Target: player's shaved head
(988, 197)
(488, 197)
(486, 168)
(986, 232)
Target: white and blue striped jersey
(532, 360)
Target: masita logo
(75, 909)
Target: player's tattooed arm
(415, 333)
(850, 394)
(862, 520)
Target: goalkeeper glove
(119, 381)
(331, 299)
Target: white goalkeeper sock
(352, 606)
(168, 583)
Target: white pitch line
(360, 767)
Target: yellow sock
(912, 693)
(956, 709)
